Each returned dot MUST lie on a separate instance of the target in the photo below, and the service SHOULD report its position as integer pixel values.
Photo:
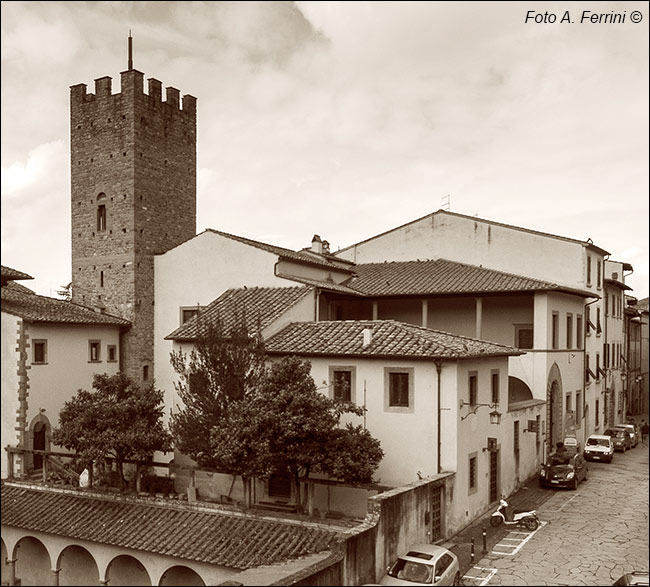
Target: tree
(242, 418)
(65, 292)
(299, 427)
(119, 420)
(222, 369)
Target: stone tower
(133, 185)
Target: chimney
(367, 337)
(316, 244)
(326, 248)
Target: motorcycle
(503, 515)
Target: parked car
(424, 564)
(599, 448)
(633, 578)
(621, 438)
(632, 429)
(566, 469)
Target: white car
(424, 564)
(599, 448)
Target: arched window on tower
(101, 212)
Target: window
(495, 387)
(598, 327)
(598, 370)
(606, 355)
(93, 351)
(515, 439)
(101, 217)
(568, 403)
(443, 564)
(471, 484)
(40, 352)
(398, 389)
(598, 273)
(579, 333)
(473, 388)
(597, 412)
(589, 325)
(588, 269)
(341, 383)
(524, 336)
(188, 312)
(578, 408)
(145, 373)
(569, 331)
(554, 330)
(101, 279)
(588, 372)
(111, 351)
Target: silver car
(631, 428)
(424, 564)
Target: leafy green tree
(223, 368)
(300, 429)
(118, 419)
(65, 292)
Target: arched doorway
(39, 438)
(78, 567)
(127, 570)
(554, 423)
(33, 565)
(180, 575)
(40, 442)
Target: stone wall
(133, 162)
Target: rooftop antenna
(446, 205)
(130, 67)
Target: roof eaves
(477, 219)
(618, 284)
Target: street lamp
(495, 417)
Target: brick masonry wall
(136, 155)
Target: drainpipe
(438, 364)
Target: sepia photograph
(325, 293)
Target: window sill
(40, 363)
(98, 361)
(108, 361)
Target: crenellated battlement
(132, 84)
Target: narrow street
(588, 537)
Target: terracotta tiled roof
(440, 277)
(389, 339)
(329, 261)
(586, 243)
(642, 305)
(230, 540)
(8, 273)
(35, 308)
(265, 304)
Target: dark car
(620, 437)
(566, 469)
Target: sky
(346, 119)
